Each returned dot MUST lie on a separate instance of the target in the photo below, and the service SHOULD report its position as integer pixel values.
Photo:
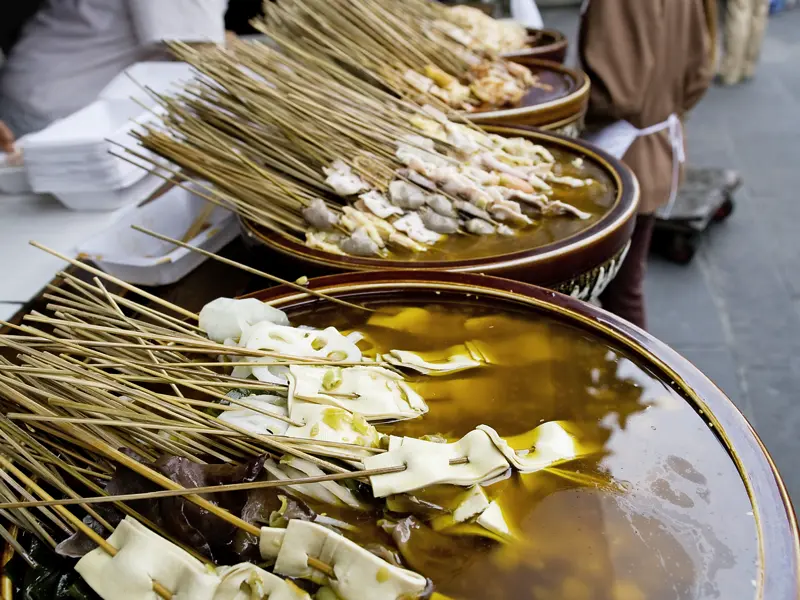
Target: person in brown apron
(745, 24)
(650, 62)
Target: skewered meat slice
(520, 73)
(505, 230)
(364, 222)
(402, 240)
(540, 201)
(318, 215)
(538, 183)
(480, 176)
(556, 207)
(439, 77)
(418, 81)
(416, 178)
(406, 195)
(497, 91)
(493, 163)
(438, 223)
(479, 227)
(441, 205)
(315, 240)
(509, 212)
(572, 182)
(515, 183)
(383, 226)
(428, 126)
(472, 210)
(413, 227)
(342, 180)
(378, 205)
(460, 139)
(360, 244)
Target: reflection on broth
(658, 512)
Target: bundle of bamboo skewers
(297, 143)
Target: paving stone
(680, 306)
(777, 418)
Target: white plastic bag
(527, 13)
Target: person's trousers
(624, 296)
(745, 24)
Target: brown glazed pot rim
(616, 219)
(559, 43)
(576, 98)
(776, 523)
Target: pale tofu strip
(550, 443)
(143, 556)
(478, 457)
(327, 344)
(451, 360)
(331, 424)
(374, 392)
(359, 574)
(429, 463)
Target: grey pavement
(735, 310)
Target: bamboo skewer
(218, 489)
(117, 281)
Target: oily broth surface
(660, 513)
(595, 199)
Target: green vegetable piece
(332, 379)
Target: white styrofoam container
(144, 260)
(111, 199)
(14, 180)
(72, 154)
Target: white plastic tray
(143, 260)
(72, 154)
(111, 199)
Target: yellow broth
(596, 199)
(659, 513)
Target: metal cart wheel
(724, 211)
(680, 248)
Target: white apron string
(617, 138)
(675, 129)
(584, 6)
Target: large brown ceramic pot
(575, 257)
(695, 508)
(558, 106)
(545, 44)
